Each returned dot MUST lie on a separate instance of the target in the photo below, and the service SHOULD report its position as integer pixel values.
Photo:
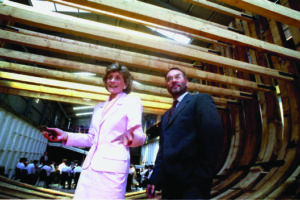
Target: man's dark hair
(176, 68)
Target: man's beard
(179, 90)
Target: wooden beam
(93, 53)
(139, 60)
(154, 63)
(93, 91)
(221, 9)
(100, 12)
(54, 74)
(172, 19)
(268, 9)
(71, 85)
(85, 28)
(71, 93)
(66, 99)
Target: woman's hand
(128, 137)
(54, 134)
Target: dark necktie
(172, 109)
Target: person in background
(67, 174)
(22, 163)
(61, 165)
(31, 172)
(130, 178)
(44, 158)
(190, 143)
(21, 171)
(53, 166)
(77, 171)
(147, 175)
(48, 170)
(115, 126)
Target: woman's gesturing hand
(54, 134)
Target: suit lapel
(180, 107)
(165, 119)
(112, 110)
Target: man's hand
(150, 191)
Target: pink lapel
(113, 109)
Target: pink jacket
(106, 152)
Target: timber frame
(251, 73)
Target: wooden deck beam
(268, 9)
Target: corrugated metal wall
(18, 139)
(149, 151)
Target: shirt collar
(179, 99)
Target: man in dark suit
(190, 142)
(44, 158)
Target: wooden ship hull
(250, 67)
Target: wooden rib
(172, 19)
(94, 30)
(93, 53)
(268, 9)
(157, 64)
(221, 9)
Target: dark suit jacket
(189, 145)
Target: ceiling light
(84, 114)
(175, 36)
(82, 107)
(84, 73)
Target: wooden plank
(92, 80)
(137, 60)
(290, 134)
(74, 89)
(12, 189)
(67, 99)
(287, 189)
(102, 90)
(71, 93)
(234, 155)
(96, 11)
(221, 9)
(24, 192)
(268, 9)
(93, 53)
(34, 188)
(165, 17)
(88, 80)
(101, 53)
(98, 31)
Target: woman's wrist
(66, 136)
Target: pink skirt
(100, 185)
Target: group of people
(48, 172)
(190, 141)
(69, 172)
(138, 178)
(27, 172)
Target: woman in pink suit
(115, 126)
